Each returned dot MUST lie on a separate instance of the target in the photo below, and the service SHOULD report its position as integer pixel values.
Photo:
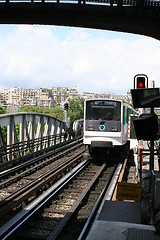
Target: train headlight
(91, 128)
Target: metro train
(106, 126)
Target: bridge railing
(25, 133)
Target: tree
(76, 110)
(3, 129)
(2, 110)
(56, 112)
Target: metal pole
(152, 177)
(140, 165)
(152, 150)
(152, 156)
(152, 191)
(66, 116)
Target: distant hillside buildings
(42, 97)
(127, 97)
(47, 97)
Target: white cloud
(93, 60)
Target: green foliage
(4, 134)
(76, 110)
(2, 110)
(4, 129)
(56, 112)
(17, 126)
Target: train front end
(102, 125)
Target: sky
(93, 60)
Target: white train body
(106, 122)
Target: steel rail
(62, 224)
(34, 161)
(38, 166)
(110, 187)
(57, 148)
(29, 189)
(14, 225)
(10, 228)
(57, 233)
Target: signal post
(146, 125)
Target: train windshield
(103, 110)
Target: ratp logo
(102, 127)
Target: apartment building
(89, 95)
(3, 95)
(44, 98)
(25, 96)
(62, 94)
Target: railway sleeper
(71, 190)
(85, 178)
(65, 201)
(54, 210)
(70, 196)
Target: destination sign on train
(146, 97)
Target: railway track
(31, 184)
(68, 203)
(11, 175)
